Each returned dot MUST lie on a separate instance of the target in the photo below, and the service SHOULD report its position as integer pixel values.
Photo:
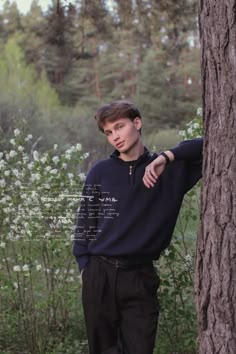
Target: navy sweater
(119, 216)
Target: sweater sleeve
(189, 154)
(86, 222)
(188, 150)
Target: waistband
(127, 262)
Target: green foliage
(24, 93)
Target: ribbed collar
(146, 154)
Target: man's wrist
(168, 156)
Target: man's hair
(114, 111)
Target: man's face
(123, 134)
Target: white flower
(70, 175)
(25, 158)
(64, 165)
(190, 130)
(167, 252)
(30, 165)
(188, 258)
(7, 173)
(43, 159)
(70, 279)
(195, 125)
(29, 136)
(54, 171)
(199, 111)
(55, 159)
(3, 244)
(55, 146)
(71, 271)
(20, 148)
(69, 151)
(25, 268)
(2, 183)
(1, 155)
(15, 172)
(85, 155)
(12, 141)
(38, 267)
(78, 147)
(12, 153)
(48, 168)
(16, 132)
(82, 176)
(35, 177)
(68, 157)
(2, 164)
(36, 155)
(16, 268)
(15, 284)
(18, 183)
(34, 194)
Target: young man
(128, 211)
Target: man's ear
(138, 123)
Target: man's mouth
(118, 146)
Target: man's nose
(115, 135)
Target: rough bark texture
(215, 278)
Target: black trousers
(120, 307)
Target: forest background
(56, 68)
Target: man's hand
(155, 169)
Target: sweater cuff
(82, 262)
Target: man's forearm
(188, 150)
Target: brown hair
(116, 110)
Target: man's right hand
(155, 169)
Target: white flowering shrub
(39, 197)
(177, 331)
(194, 128)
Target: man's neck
(133, 154)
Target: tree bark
(215, 277)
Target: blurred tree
(33, 42)
(88, 30)
(168, 80)
(57, 55)
(22, 93)
(11, 20)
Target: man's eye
(120, 126)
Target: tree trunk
(215, 278)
